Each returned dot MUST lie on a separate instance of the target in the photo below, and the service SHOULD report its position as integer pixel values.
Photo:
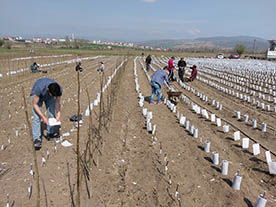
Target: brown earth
(128, 168)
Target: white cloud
(149, 1)
(194, 31)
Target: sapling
(166, 166)
(43, 160)
(8, 201)
(47, 154)
(165, 158)
(170, 180)
(30, 190)
(31, 170)
(33, 150)
(55, 147)
(176, 191)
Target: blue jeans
(36, 123)
(155, 89)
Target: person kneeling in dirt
(78, 67)
(194, 73)
(48, 91)
(101, 68)
(181, 68)
(35, 68)
(156, 83)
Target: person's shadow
(147, 99)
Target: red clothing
(171, 64)
(194, 73)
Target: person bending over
(48, 91)
(156, 83)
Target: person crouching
(194, 73)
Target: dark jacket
(148, 60)
(181, 63)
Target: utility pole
(254, 46)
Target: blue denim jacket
(159, 77)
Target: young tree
(2, 42)
(240, 49)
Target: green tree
(240, 49)
(8, 45)
(2, 42)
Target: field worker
(148, 62)
(34, 68)
(48, 91)
(78, 67)
(194, 73)
(156, 83)
(181, 68)
(171, 69)
(101, 68)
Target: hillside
(218, 42)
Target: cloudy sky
(137, 20)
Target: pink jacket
(194, 73)
(171, 64)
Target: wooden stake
(33, 150)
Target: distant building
(37, 40)
(62, 40)
(28, 41)
(18, 38)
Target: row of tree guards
(192, 130)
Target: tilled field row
(228, 150)
(53, 173)
(228, 112)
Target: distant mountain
(231, 42)
(219, 42)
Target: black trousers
(181, 74)
(170, 76)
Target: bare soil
(128, 168)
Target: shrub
(2, 42)
(240, 49)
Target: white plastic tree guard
(237, 182)
(245, 143)
(215, 156)
(237, 135)
(224, 167)
(207, 146)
